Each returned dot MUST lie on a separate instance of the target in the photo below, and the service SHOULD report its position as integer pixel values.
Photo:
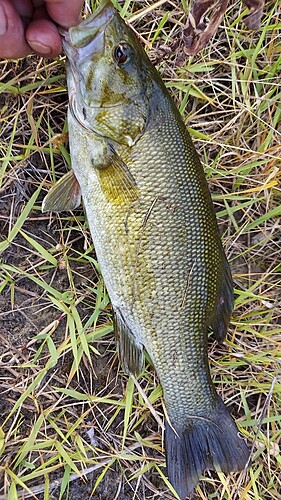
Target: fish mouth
(87, 39)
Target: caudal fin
(205, 443)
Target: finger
(12, 40)
(65, 13)
(43, 37)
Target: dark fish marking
(185, 293)
(173, 207)
(126, 221)
(144, 224)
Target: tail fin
(203, 444)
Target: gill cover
(110, 80)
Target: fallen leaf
(253, 19)
(198, 31)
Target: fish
(155, 235)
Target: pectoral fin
(130, 351)
(64, 195)
(116, 180)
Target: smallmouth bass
(155, 234)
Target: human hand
(28, 26)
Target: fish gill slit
(73, 110)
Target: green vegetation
(71, 422)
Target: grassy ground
(72, 423)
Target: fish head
(109, 76)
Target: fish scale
(155, 234)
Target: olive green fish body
(160, 253)
(155, 233)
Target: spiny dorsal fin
(116, 180)
(130, 351)
(64, 195)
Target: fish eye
(122, 53)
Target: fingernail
(3, 21)
(41, 48)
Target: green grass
(69, 416)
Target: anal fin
(224, 305)
(130, 351)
